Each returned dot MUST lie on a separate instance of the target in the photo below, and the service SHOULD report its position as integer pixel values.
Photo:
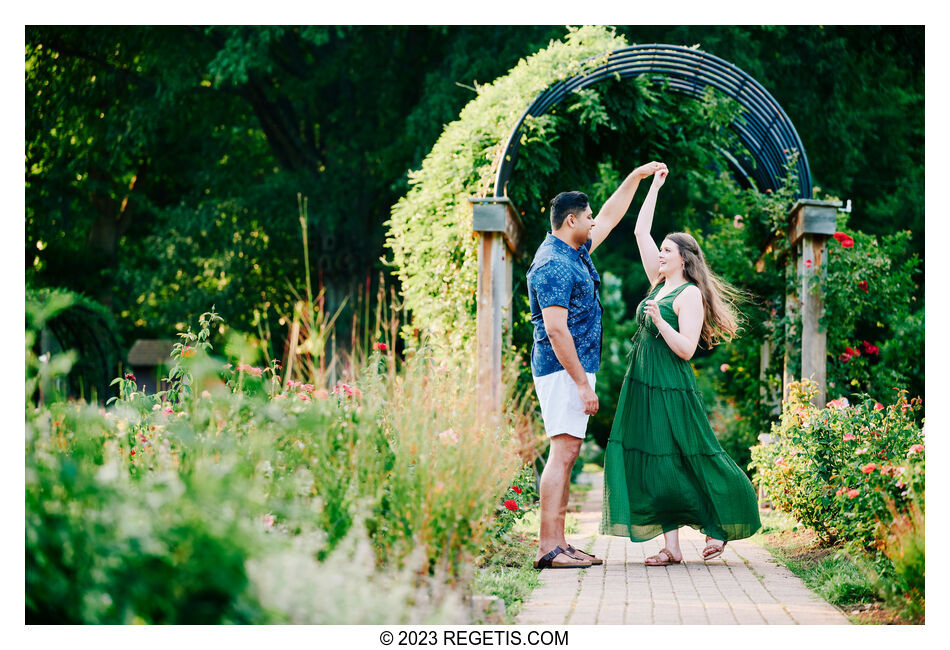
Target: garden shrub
(57, 321)
(873, 321)
(854, 474)
(902, 543)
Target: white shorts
(561, 406)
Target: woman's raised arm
(649, 253)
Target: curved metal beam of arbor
(763, 127)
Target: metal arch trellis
(764, 128)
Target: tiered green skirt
(664, 467)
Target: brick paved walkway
(745, 585)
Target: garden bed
(828, 571)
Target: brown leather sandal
(717, 550)
(658, 561)
(593, 559)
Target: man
(565, 310)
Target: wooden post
(811, 222)
(792, 310)
(500, 233)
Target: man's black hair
(564, 204)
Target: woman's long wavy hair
(722, 319)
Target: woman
(663, 467)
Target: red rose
(130, 376)
(511, 505)
(863, 285)
(132, 453)
(516, 489)
(844, 356)
(379, 346)
(844, 240)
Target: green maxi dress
(663, 467)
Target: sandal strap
(546, 561)
(572, 550)
(550, 555)
(714, 547)
(663, 551)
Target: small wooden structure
(500, 235)
(148, 360)
(810, 223)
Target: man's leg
(562, 516)
(562, 506)
(554, 485)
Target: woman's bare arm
(649, 253)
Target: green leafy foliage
(72, 345)
(853, 473)
(191, 506)
(433, 246)
(522, 494)
(868, 291)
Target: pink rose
(449, 437)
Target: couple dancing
(663, 468)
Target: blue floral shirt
(561, 275)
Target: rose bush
(852, 473)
